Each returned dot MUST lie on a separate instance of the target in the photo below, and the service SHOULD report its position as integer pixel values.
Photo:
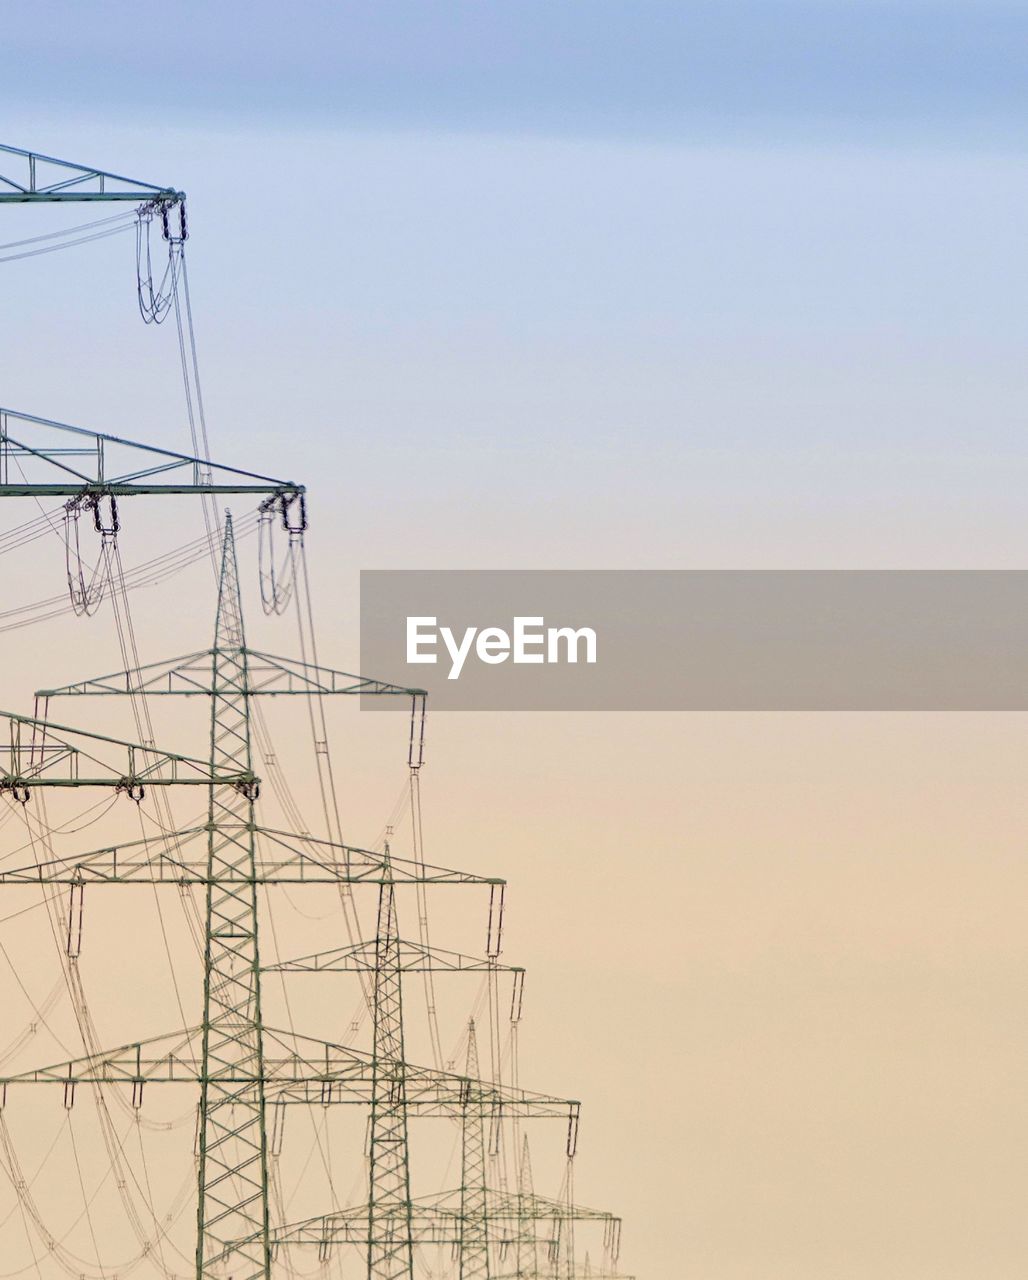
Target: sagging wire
(194, 401)
(155, 301)
(277, 582)
(31, 1029)
(68, 237)
(22, 535)
(318, 725)
(86, 590)
(98, 811)
(18, 1205)
(129, 647)
(71, 1263)
(415, 760)
(116, 1153)
(124, 218)
(86, 1199)
(87, 597)
(323, 1149)
(149, 573)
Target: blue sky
(651, 68)
(611, 284)
(607, 283)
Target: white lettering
(523, 637)
(532, 643)
(415, 640)
(457, 652)
(493, 645)
(554, 635)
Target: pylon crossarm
(30, 176)
(190, 676)
(413, 957)
(40, 753)
(43, 458)
(164, 859)
(426, 1225)
(308, 1064)
(426, 1097)
(154, 861)
(272, 675)
(190, 673)
(343, 1075)
(363, 866)
(511, 1205)
(167, 1059)
(576, 1273)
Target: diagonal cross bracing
(43, 458)
(296, 1069)
(232, 1207)
(30, 176)
(281, 859)
(390, 1253)
(36, 752)
(474, 1221)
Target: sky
(653, 69)
(613, 286)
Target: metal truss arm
(431, 1215)
(39, 753)
(413, 958)
(297, 1069)
(43, 458)
(273, 675)
(30, 177)
(434, 1221)
(350, 1226)
(282, 859)
(509, 1206)
(269, 676)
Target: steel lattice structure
(238, 1065)
(390, 1243)
(233, 1169)
(31, 177)
(40, 458)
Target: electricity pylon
(474, 1223)
(388, 957)
(527, 1254)
(232, 1203)
(481, 1223)
(233, 1147)
(237, 1083)
(439, 1220)
(478, 1221)
(239, 1064)
(390, 1248)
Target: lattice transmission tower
(242, 1069)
